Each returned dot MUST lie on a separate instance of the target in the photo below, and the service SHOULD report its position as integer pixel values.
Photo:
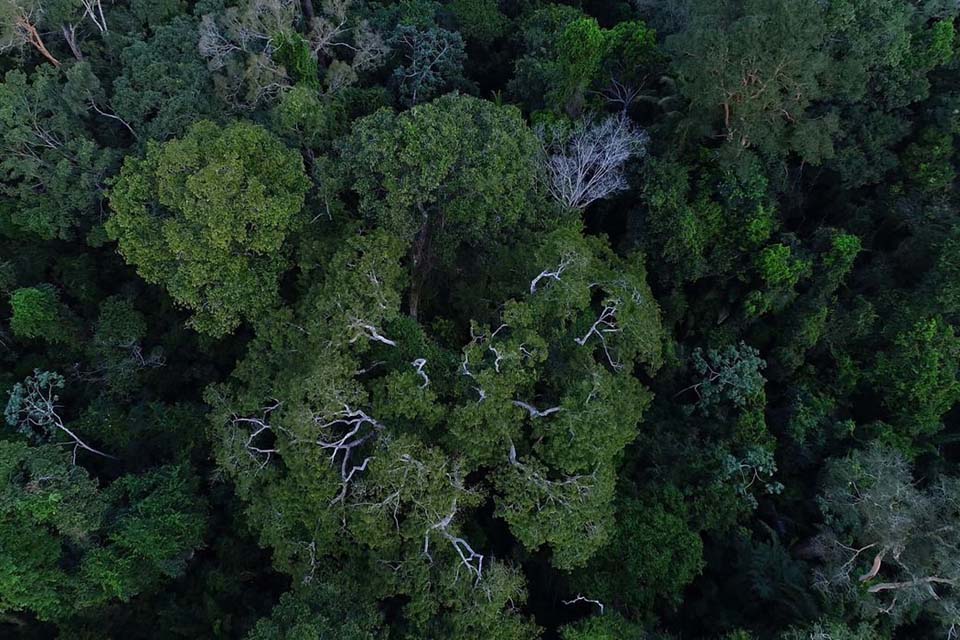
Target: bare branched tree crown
(588, 163)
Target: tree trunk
(418, 265)
(306, 7)
(34, 38)
(70, 35)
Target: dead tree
(587, 164)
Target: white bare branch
(93, 9)
(39, 410)
(70, 36)
(605, 324)
(563, 493)
(341, 433)
(581, 598)
(259, 427)
(534, 412)
(213, 45)
(469, 558)
(113, 116)
(565, 262)
(419, 364)
(363, 329)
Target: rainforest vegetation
(479, 319)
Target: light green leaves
(207, 216)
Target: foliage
(38, 313)
(887, 544)
(479, 319)
(53, 172)
(207, 216)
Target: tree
(433, 57)
(116, 348)
(887, 543)
(34, 410)
(731, 375)
(570, 60)
(207, 216)
(609, 626)
(827, 630)
(755, 70)
(319, 610)
(260, 53)
(651, 557)
(38, 313)
(587, 164)
(46, 502)
(52, 171)
(917, 379)
(164, 86)
(69, 546)
(480, 21)
(455, 171)
(701, 220)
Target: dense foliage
(480, 319)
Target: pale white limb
(581, 598)
(363, 329)
(605, 324)
(40, 409)
(469, 558)
(357, 429)
(418, 364)
(114, 117)
(534, 412)
(553, 275)
(258, 427)
(93, 9)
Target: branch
(580, 598)
(554, 275)
(534, 412)
(114, 117)
(367, 330)
(605, 323)
(891, 586)
(419, 363)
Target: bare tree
(214, 45)
(241, 41)
(587, 164)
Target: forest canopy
(480, 319)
